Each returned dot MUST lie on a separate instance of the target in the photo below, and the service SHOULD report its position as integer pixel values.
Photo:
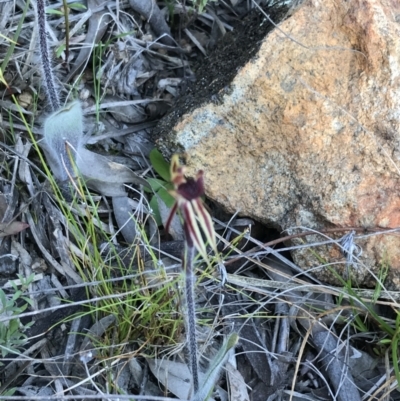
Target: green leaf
(166, 197)
(29, 279)
(3, 301)
(9, 392)
(77, 6)
(16, 295)
(13, 326)
(216, 365)
(3, 332)
(53, 11)
(14, 286)
(60, 49)
(156, 212)
(155, 184)
(22, 308)
(160, 165)
(28, 301)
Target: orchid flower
(196, 223)
(187, 193)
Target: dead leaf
(237, 385)
(123, 215)
(88, 350)
(105, 176)
(175, 376)
(97, 26)
(3, 205)
(175, 228)
(12, 228)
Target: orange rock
(308, 133)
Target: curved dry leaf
(3, 205)
(175, 376)
(98, 169)
(175, 225)
(88, 349)
(334, 365)
(150, 11)
(97, 26)
(237, 385)
(123, 215)
(12, 228)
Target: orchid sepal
(187, 193)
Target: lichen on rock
(307, 132)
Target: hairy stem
(45, 57)
(191, 315)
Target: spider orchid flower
(196, 219)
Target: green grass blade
(10, 50)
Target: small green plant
(390, 330)
(97, 68)
(12, 337)
(72, 6)
(200, 5)
(383, 272)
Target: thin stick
(65, 5)
(363, 230)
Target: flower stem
(48, 75)
(191, 314)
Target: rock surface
(307, 132)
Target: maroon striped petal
(171, 216)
